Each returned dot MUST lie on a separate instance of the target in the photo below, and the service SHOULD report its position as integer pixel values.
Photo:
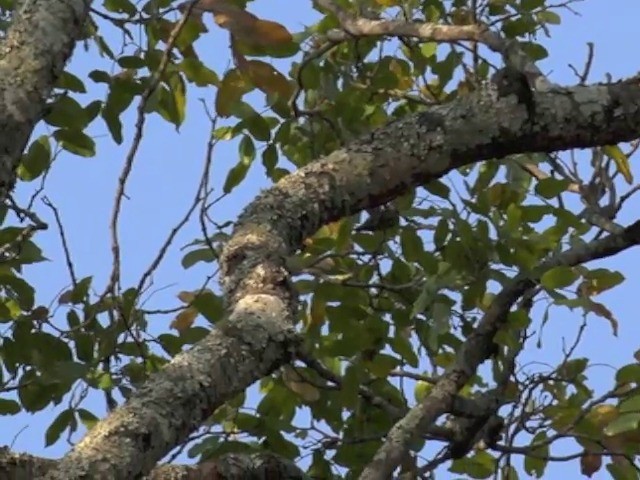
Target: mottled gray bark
(227, 467)
(256, 337)
(32, 56)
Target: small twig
(26, 232)
(582, 77)
(63, 239)
(114, 279)
(539, 174)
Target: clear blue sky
(169, 164)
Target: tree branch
(256, 336)
(477, 348)
(32, 57)
(230, 466)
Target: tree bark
(256, 337)
(227, 467)
(38, 44)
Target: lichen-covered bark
(32, 57)
(176, 401)
(256, 337)
(227, 467)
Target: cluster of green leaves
(99, 347)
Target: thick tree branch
(227, 467)
(355, 26)
(256, 337)
(477, 349)
(32, 57)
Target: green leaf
(196, 72)
(536, 465)
(200, 255)
(33, 394)
(36, 160)
(411, 243)
(81, 291)
(444, 69)
(76, 141)
(628, 374)
(621, 160)
(68, 81)
(132, 62)
(231, 90)
(177, 98)
(421, 390)
(558, 277)
(64, 420)
(481, 465)
(239, 172)
(170, 343)
(530, 5)
(169, 102)
(67, 113)
(120, 6)
(225, 133)
(88, 419)
(518, 27)
(258, 127)
(47, 349)
(508, 472)
(514, 218)
(29, 253)
(551, 187)
(622, 471)
(19, 290)
(547, 16)
(9, 407)
(436, 187)
(403, 347)
(92, 110)
(69, 372)
(601, 279)
(209, 306)
(572, 368)
(121, 94)
(85, 346)
(100, 76)
(535, 213)
(270, 158)
(420, 304)
(321, 467)
(535, 51)
(103, 47)
(429, 49)
(441, 233)
(382, 364)
(626, 422)
(630, 405)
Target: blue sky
(169, 164)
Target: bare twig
(63, 239)
(114, 279)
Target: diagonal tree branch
(32, 57)
(356, 26)
(477, 349)
(230, 466)
(256, 336)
